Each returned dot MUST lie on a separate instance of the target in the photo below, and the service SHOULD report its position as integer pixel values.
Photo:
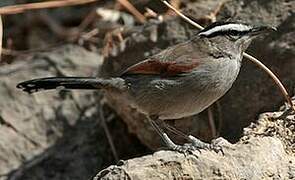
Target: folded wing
(173, 61)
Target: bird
(179, 81)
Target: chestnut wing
(181, 58)
(163, 68)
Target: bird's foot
(285, 114)
(202, 145)
(194, 145)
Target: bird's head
(233, 35)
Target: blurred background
(74, 134)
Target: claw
(194, 145)
(216, 148)
(189, 148)
(287, 112)
(185, 149)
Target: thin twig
(212, 15)
(273, 76)
(56, 27)
(90, 17)
(90, 34)
(182, 15)
(249, 57)
(211, 121)
(220, 118)
(108, 134)
(69, 34)
(11, 126)
(141, 18)
(20, 8)
(150, 13)
(175, 4)
(1, 36)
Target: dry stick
(1, 36)
(54, 25)
(108, 134)
(182, 15)
(220, 119)
(90, 17)
(175, 4)
(11, 126)
(273, 76)
(251, 58)
(14, 9)
(133, 10)
(211, 121)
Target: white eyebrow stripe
(226, 27)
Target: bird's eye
(233, 35)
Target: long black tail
(48, 83)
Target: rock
(266, 151)
(50, 129)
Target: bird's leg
(188, 148)
(168, 142)
(195, 142)
(198, 144)
(171, 128)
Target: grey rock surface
(266, 151)
(241, 161)
(43, 136)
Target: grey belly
(179, 97)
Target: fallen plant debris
(20, 8)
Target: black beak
(262, 30)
